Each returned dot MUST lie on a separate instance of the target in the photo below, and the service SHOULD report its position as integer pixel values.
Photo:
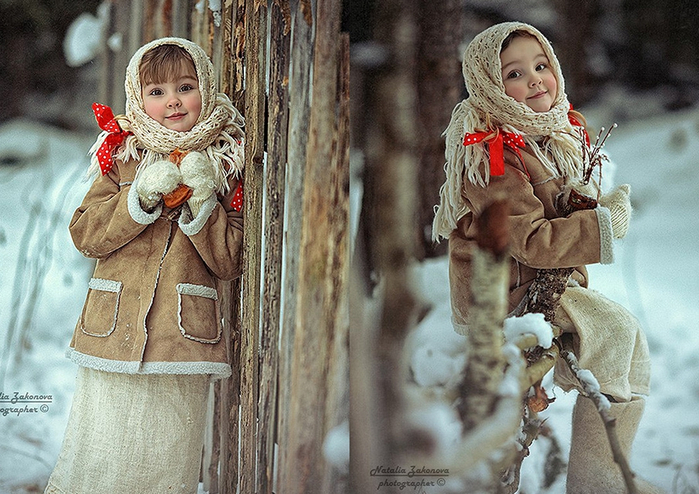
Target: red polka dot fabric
(105, 120)
(496, 140)
(237, 201)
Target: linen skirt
(609, 342)
(130, 433)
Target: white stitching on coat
(199, 290)
(99, 284)
(195, 291)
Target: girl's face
(527, 74)
(175, 104)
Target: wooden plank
(238, 42)
(230, 393)
(120, 56)
(149, 20)
(231, 398)
(299, 116)
(227, 41)
(180, 20)
(314, 323)
(255, 40)
(337, 384)
(278, 115)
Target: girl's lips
(538, 95)
(176, 116)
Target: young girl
(516, 136)
(163, 220)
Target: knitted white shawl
(217, 133)
(487, 108)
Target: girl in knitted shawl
(163, 219)
(516, 136)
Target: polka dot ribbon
(496, 141)
(105, 119)
(237, 201)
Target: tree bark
(439, 87)
(488, 307)
(274, 230)
(314, 327)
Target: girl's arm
(102, 223)
(538, 241)
(217, 234)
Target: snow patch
(441, 422)
(336, 447)
(531, 323)
(84, 36)
(433, 367)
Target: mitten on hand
(199, 174)
(156, 179)
(619, 205)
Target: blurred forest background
(605, 47)
(634, 58)
(39, 83)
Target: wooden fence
(287, 317)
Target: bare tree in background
(439, 88)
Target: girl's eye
(541, 67)
(513, 75)
(186, 87)
(156, 92)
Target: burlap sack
(609, 342)
(131, 434)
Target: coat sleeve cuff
(191, 226)
(136, 211)
(606, 235)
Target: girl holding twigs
(516, 136)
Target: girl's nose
(174, 103)
(535, 80)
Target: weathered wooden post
(287, 335)
(278, 115)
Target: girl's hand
(619, 205)
(199, 174)
(156, 179)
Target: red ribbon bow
(105, 119)
(496, 142)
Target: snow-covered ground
(42, 289)
(655, 275)
(42, 284)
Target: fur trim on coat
(152, 304)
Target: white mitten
(199, 174)
(619, 205)
(156, 179)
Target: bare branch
(602, 404)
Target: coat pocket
(197, 313)
(101, 307)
